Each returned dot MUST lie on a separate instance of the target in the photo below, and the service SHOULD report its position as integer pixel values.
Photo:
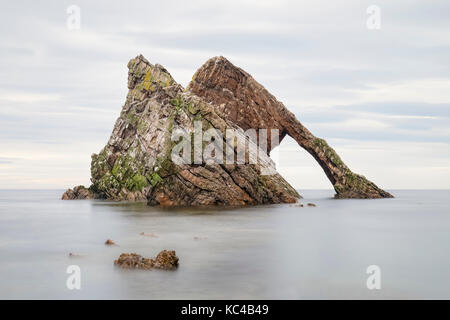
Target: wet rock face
(249, 105)
(165, 260)
(77, 193)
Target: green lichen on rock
(165, 166)
(99, 164)
(347, 184)
(250, 106)
(132, 118)
(155, 179)
(148, 82)
(180, 103)
(144, 76)
(107, 186)
(142, 126)
(136, 162)
(329, 152)
(357, 186)
(137, 182)
(127, 173)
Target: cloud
(62, 90)
(417, 91)
(6, 160)
(27, 97)
(394, 165)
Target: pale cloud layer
(380, 97)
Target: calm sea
(264, 252)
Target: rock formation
(78, 192)
(165, 260)
(110, 242)
(137, 162)
(249, 105)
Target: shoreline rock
(77, 193)
(150, 235)
(165, 260)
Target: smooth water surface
(264, 252)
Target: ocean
(262, 252)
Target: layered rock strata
(137, 163)
(248, 104)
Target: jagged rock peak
(142, 72)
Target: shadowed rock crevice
(248, 104)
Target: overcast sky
(380, 97)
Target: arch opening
(299, 168)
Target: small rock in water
(311, 205)
(165, 260)
(297, 205)
(73, 255)
(133, 261)
(151, 235)
(109, 242)
(200, 238)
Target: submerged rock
(165, 260)
(133, 261)
(298, 205)
(249, 105)
(200, 238)
(151, 235)
(74, 255)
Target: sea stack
(137, 163)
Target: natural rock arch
(136, 162)
(249, 105)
